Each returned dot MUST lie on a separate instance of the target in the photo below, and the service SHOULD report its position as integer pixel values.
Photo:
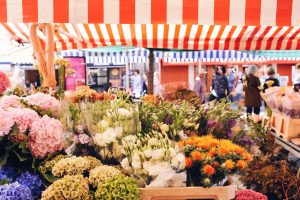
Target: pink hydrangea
(249, 195)
(4, 82)
(10, 101)
(82, 139)
(6, 122)
(23, 117)
(45, 101)
(46, 136)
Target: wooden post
(151, 72)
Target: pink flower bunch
(45, 101)
(249, 195)
(4, 82)
(23, 117)
(82, 139)
(46, 136)
(10, 101)
(6, 122)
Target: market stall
(86, 145)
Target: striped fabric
(204, 12)
(189, 37)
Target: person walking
(252, 92)
(219, 87)
(200, 87)
(137, 84)
(271, 81)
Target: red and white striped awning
(188, 37)
(203, 12)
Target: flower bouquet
(109, 121)
(4, 82)
(154, 158)
(209, 160)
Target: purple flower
(15, 191)
(33, 182)
(231, 123)
(229, 133)
(7, 173)
(211, 123)
(246, 141)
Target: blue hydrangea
(32, 181)
(15, 191)
(7, 173)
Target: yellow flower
(229, 164)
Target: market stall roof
(203, 12)
(174, 24)
(167, 36)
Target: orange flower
(248, 157)
(216, 164)
(212, 152)
(229, 164)
(181, 144)
(208, 170)
(188, 162)
(241, 164)
(189, 141)
(222, 151)
(196, 155)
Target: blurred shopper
(156, 84)
(252, 91)
(231, 82)
(199, 86)
(219, 84)
(238, 85)
(145, 84)
(137, 84)
(271, 81)
(296, 75)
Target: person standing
(238, 86)
(231, 82)
(137, 84)
(252, 91)
(145, 84)
(271, 81)
(156, 84)
(219, 87)
(200, 87)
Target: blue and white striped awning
(137, 55)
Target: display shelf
(289, 146)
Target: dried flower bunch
(102, 173)
(68, 188)
(74, 166)
(118, 187)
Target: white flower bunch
(147, 157)
(117, 121)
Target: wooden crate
(184, 193)
(290, 128)
(276, 121)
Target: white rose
(118, 131)
(136, 157)
(178, 162)
(117, 150)
(136, 164)
(158, 154)
(103, 124)
(125, 165)
(172, 152)
(124, 112)
(153, 142)
(164, 128)
(148, 153)
(155, 169)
